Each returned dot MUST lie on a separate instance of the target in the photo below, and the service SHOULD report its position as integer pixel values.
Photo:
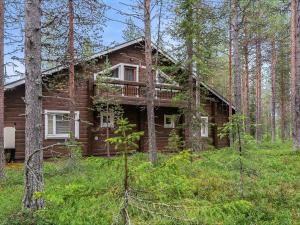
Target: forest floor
(176, 191)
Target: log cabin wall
(51, 102)
(14, 116)
(91, 137)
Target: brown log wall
(15, 109)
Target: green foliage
(131, 31)
(237, 129)
(173, 192)
(175, 142)
(126, 139)
(75, 149)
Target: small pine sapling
(235, 128)
(175, 142)
(124, 141)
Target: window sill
(58, 137)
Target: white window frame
(111, 123)
(121, 68)
(157, 72)
(60, 136)
(172, 125)
(204, 126)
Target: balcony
(134, 93)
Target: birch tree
(34, 182)
(150, 84)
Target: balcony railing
(136, 89)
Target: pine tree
(150, 84)
(34, 181)
(295, 74)
(2, 155)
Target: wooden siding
(135, 110)
(15, 115)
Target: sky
(112, 34)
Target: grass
(173, 192)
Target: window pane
(161, 79)
(168, 120)
(204, 126)
(62, 124)
(129, 74)
(115, 73)
(50, 124)
(104, 119)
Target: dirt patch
(15, 166)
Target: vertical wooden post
(90, 116)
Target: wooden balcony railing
(135, 89)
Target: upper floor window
(57, 124)
(115, 73)
(122, 71)
(129, 73)
(162, 78)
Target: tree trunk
(150, 85)
(190, 87)
(2, 155)
(237, 65)
(230, 75)
(246, 86)
(273, 87)
(283, 111)
(295, 75)
(107, 131)
(198, 140)
(34, 182)
(258, 116)
(71, 68)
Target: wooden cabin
(128, 78)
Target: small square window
(57, 124)
(169, 121)
(107, 120)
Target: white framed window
(122, 71)
(169, 121)
(57, 124)
(204, 126)
(107, 120)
